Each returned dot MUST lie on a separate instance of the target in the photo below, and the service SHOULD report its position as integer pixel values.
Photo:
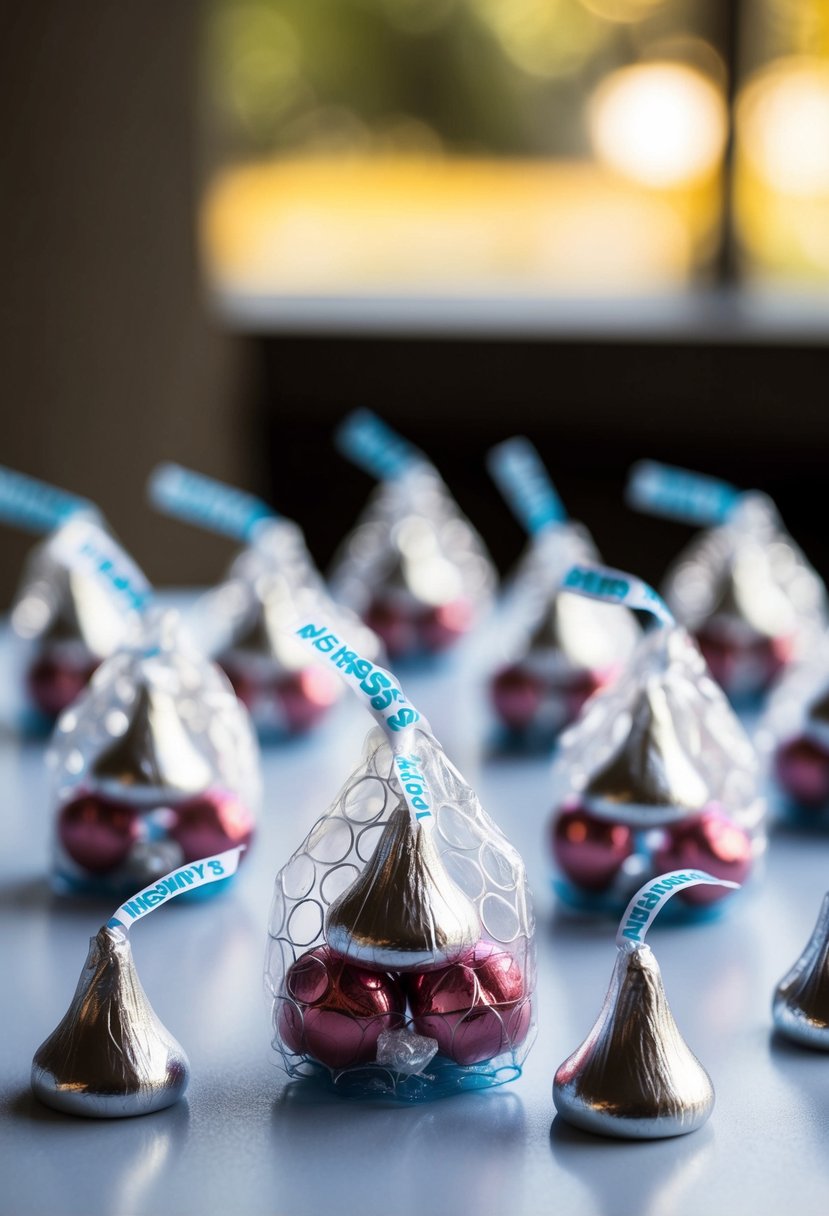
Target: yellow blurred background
(589, 147)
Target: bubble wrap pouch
(554, 649)
(793, 739)
(657, 774)
(401, 956)
(155, 765)
(414, 568)
(749, 596)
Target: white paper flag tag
(383, 697)
(649, 900)
(617, 587)
(185, 878)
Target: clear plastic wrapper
(793, 738)
(155, 765)
(69, 624)
(66, 618)
(655, 775)
(556, 649)
(242, 621)
(743, 587)
(268, 584)
(413, 568)
(401, 953)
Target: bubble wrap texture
(479, 859)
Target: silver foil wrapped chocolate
(656, 774)
(110, 1056)
(634, 1076)
(800, 1008)
(749, 596)
(414, 568)
(555, 649)
(404, 912)
(69, 622)
(155, 765)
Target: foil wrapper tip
(403, 912)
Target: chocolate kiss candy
(746, 590)
(403, 913)
(801, 1000)
(651, 773)
(58, 607)
(634, 1075)
(155, 757)
(475, 1008)
(110, 1057)
(583, 634)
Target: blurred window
(514, 148)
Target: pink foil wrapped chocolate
(68, 619)
(793, 738)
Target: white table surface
(247, 1141)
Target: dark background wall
(754, 414)
(109, 359)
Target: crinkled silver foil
(110, 1056)
(634, 1076)
(660, 744)
(60, 607)
(157, 723)
(268, 585)
(413, 539)
(801, 1000)
(404, 912)
(799, 703)
(156, 755)
(748, 578)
